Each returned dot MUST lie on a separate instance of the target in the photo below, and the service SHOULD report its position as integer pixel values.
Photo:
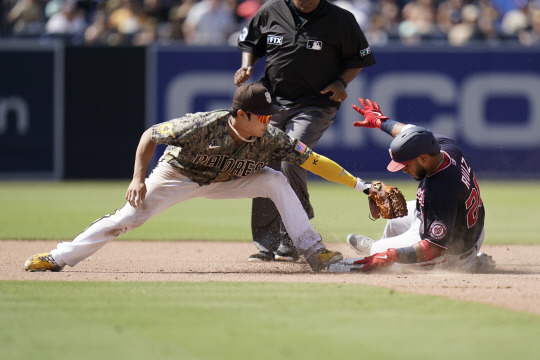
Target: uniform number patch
(243, 35)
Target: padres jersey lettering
(201, 148)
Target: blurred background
(81, 80)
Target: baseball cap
(409, 144)
(254, 98)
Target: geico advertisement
(489, 101)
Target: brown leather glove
(386, 201)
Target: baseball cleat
(286, 251)
(261, 256)
(41, 262)
(323, 258)
(360, 243)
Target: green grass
(87, 320)
(217, 320)
(61, 210)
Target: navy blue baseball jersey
(449, 202)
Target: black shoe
(262, 256)
(286, 251)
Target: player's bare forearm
(349, 74)
(418, 253)
(136, 191)
(421, 256)
(248, 59)
(144, 153)
(397, 129)
(248, 62)
(338, 87)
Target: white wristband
(360, 185)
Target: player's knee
(275, 179)
(274, 182)
(128, 218)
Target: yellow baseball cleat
(323, 258)
(41, 262)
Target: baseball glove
(386, 201)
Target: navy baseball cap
(409, 144)
(255, 99)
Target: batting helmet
(409, 144)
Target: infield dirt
(515, 283)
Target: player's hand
(242, 74)
(373, 118)
(379, 260)
(338, 91)
(136, 193)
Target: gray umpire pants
(307, 124)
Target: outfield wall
(78, 112)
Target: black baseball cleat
(262, 256)
(286, 250)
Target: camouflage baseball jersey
(201, 148)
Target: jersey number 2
(473, 203)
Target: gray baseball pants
(307, 124)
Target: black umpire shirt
(304, 52)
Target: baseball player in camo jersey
(220, 154)
(445, 225)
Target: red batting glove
(371, 112)
(379, 260)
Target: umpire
(313, 50)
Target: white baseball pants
(166, 187)
(405, 231)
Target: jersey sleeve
(189, 129)
(287, 148)
(356, 52)
(250, 39)
(439, 221)
(169, 132)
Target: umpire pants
(307, 124)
